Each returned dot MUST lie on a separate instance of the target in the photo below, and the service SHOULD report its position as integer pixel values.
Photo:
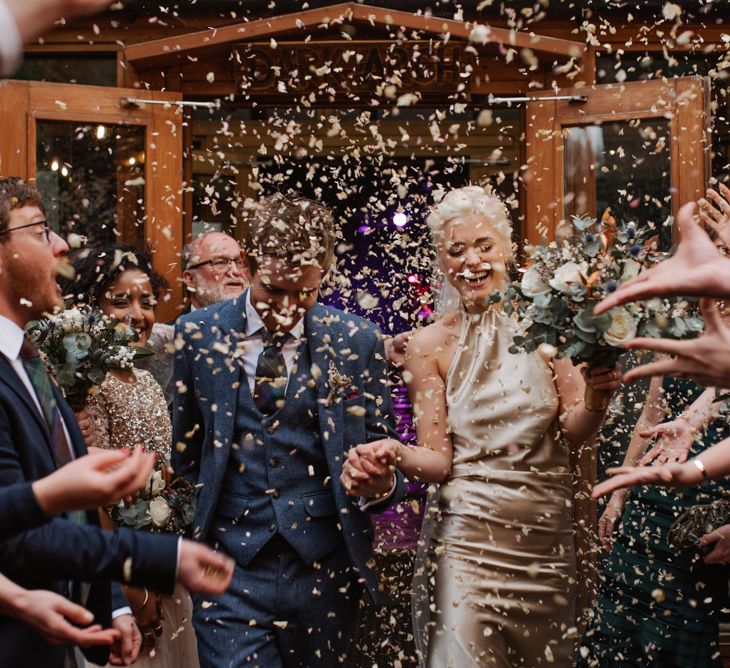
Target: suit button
(272, 527)
(273, 462)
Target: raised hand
(56, 618)
(674, 440)
(716, 214)
(720, 538)
(671, 475)
(368, 469)
(610, 518)
(200, 569)
(94, 480)
(705, 360)
(696, 269)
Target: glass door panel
(624, 168)
(92, 177)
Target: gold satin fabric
(503, 540)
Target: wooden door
(107, 160)
(640, 149)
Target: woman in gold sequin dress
(130, 409)
(496, 429)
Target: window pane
(624, 167)
(92, 178)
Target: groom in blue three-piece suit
(272, 389)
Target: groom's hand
(369, 469)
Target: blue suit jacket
(19, 510)
(60, 550)
(205, 403)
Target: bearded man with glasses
(213, 269)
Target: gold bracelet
(146, 598)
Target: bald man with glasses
(214, 269)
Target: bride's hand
(602, 377)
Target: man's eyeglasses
(220, 264)
(46, 229)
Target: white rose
(565, 277)
(156, 483)
(622, 329)
(532, 283)
(631, 270)
(160, 512)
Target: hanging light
(100, 131)
(400, 219)
(64, 171)
(54, 166)
(132, 161)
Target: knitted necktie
(41, 382)
(271, 376)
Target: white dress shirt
(253, 345)
(11, 44)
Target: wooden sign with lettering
(342, 70)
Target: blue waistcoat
(277, 479)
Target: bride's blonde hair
(455, 204)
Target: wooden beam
(183, 47)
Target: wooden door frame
(24, 103)
(685, 102)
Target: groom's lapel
(320, 336)
(227, 374)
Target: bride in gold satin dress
(497, 429)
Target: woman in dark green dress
(657, 607)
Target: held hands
(720, 538)
(671, 475)
(94, 480)
(674, 440)
(610, 518)
(125, 648)
(395, 348)
(369, 468)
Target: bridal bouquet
(164, 505)
(556, 296)
(79, 346)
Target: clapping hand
(674, 440)
(58, 620)
(94, 480)
(696, 269)
(610, 518)
(368, 469)
(202, 570)
(716, 214)
(671, 475)
(705, 360)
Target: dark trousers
(280, 612)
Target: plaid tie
(271, 376)
(41, 382)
